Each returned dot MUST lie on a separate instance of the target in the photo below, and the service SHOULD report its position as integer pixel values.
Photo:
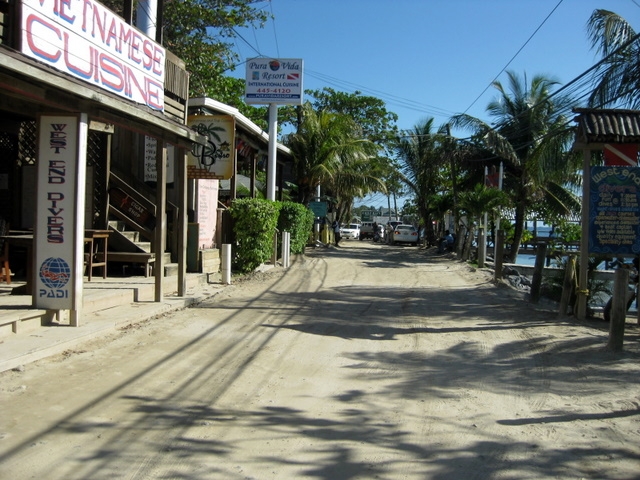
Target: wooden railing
(139, 211)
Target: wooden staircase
(132, 219)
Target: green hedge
(255, 222)
(296, 219)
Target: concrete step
(17, 317)
(144, 246)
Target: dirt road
(360, 362)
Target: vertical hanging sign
(59, 232)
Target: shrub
(255, 224)
(296, 219)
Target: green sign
(367, 215)
(319, 209)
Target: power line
(514, 56)
(275, 35)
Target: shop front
(92, 130)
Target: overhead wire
(514, 56)
(579, 88)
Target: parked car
(351, 231)
(404, 234)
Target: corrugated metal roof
(607, 126)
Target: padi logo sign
(54, 274)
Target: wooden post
(541, 254)
(618, 310)
(568, 286)
(181, 224)
(498, 254)
(160, 233)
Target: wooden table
(96, 247)
(96, 244)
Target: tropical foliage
(329, 151)
(473, 204)
(614, 38)
(531, 134)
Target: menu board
(614, 210)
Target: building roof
(597, 126)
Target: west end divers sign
(271, 80)
(59, 223)
(90, 42)
(614, 210)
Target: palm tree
(474, 204)
(328, 150)
(613, 37)
(532, 136)
(420, 166)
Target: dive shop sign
(90, 42)
(59, 231)
(614, 210)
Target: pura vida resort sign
(270, 80)
(90, 42)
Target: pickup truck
(366, 230)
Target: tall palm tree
(328, 150)
(420, 166)
(532, 136)
(619, 84)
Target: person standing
(336, 232)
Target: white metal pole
(146, 17)
(499, 188)
(273, 143)
(286, 240)
(482, 239)
(226, 263)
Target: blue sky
(429, 58)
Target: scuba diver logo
(215, 149)
(55, 273)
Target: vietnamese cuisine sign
(59, 225)
(270, 80)
(90, 42)
(614, 210)
(215, 160)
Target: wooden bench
(145, 259)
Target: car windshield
(406, 228)
(355, 227)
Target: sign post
(274, 82)
(59, 232)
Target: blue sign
(319, 209)
(614, 210)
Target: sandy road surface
(362, 362)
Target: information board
(614, 210)
(274, 80)
(319, 209)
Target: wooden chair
(4, 252)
